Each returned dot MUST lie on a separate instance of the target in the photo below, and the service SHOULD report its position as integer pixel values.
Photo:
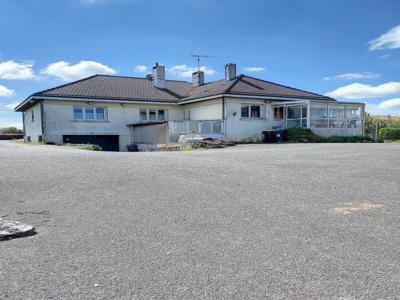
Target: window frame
(157, 114)
(249, 111)
(95, 119)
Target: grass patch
(90, 147)
(22, 141)
(346, 139)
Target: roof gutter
(253, 97)
(90, 100)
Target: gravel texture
(294, 221)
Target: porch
(324, 119)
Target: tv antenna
(199, 57)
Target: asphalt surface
(295, 221)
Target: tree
(11, 130)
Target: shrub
(11, 130)
(90, 147)
(302, 135)
(388, 133)
(345, 139)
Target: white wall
(59, 120)
(205, 110)
(33, 129)
(240, 129)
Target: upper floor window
(253, 111)
(152, 114)
(32, 116)
(90, 113)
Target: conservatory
(324, 118)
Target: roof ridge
(289, 87)
(137, 77)
(235, 81)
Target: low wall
(326, 132)
(149, 133)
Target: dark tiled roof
(142, 89)
(254, 86)
(120, 88)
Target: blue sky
(347, 49)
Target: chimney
(230, 71)
(159, 76)
(198, 78)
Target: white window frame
(211, 126)
(84, 107)
(249, 117)
(147, 110)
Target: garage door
(106, 142)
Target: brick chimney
(159, 76)
(198, 78)
(230, 71)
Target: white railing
(206, 128)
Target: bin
(269, 136)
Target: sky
(347, 49)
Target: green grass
(90, 147)
(22, 141)
(345, 139)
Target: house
(114, 111)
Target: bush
(90, 147)
(302, 135)
(345, 139)
(11, 130)
(388, 133)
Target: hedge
(302, 135)
(388, 133)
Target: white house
(105, 110)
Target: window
(161, 114)
(32, 116)
(100, 113)
(296, 116)
(245, 111)
(143, 115)
(89, 113)
(78, 113)
(278, 113)
(255, 111)
(152, 114)
(250, 111)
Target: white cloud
(388, 40)
(11, 105)
(65, 71)
(359, 91)
(390, 104)
(352, 76)
(5, 92)
(387, 107)
(140, 69)
(12, 70)
(6, 123)
(187, 71)
(254, 69)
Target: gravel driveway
(295, 221)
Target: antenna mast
(199, 57)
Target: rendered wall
(33, 129)
(60, 121)
(205, 110)
(242, 129)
